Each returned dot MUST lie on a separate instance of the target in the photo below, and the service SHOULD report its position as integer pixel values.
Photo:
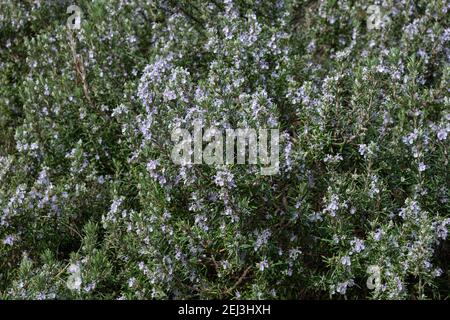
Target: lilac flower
(341, 288)
(201, 221)
(9, 240)
(410, 138)
(226, 265)
(43, 177)
(378, 234)
(333, 159)
(333, 205)
(345, 260)
(315, 216)
(169, 95)
(131, 282)
(262, 265)
(151, 165)
(437, 272)
(442, 134)
(121, 109)
(362, 149)
(224, 178)
(101, 179)
(89, 287)
(115, 205)
(374, 190)
(358, 245)
(441, 229)
(262, 239)
(422, 167)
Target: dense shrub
(93, 207)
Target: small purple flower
(263, 265)
(151, 165)
(169, 95)
(346, 261)
(131, 282)
(358, 245)
(115, 205)
(362, 149)
(378, 234)
(442, 134)
(437, 272)
(9, 240)
(422, 167)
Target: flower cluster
(93, 207)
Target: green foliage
(93, 207)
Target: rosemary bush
(93, 207)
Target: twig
(79, 68)
(239, 281)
